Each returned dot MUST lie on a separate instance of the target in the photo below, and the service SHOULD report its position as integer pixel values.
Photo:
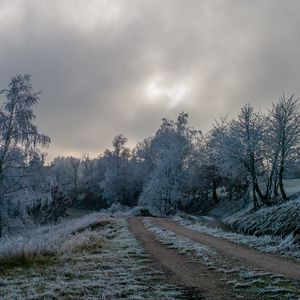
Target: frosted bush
(280, 219)
(59, 238)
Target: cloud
(106, 67)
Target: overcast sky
(110, 66)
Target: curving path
(181, 270)
(248, 256)
(191, 274)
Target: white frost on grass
(50, 239)
(278, 219)
(243, 279)
(266, 243)
(115, 269)
(182, 244)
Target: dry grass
(45, 244)
(109, 264)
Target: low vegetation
(93, 258)
(46, 242)
(281, 220)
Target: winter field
(92, 257)
(149, 150)
(95, 256)
(182, 214)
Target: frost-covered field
(266, 243)
(52, 239)
(95, 257)
(245, 281)
(281, 219)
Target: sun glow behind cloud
(158, 91)
(94, 60)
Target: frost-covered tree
(19, 137)
(67, 171)
(81, 179)
(224, 154)
(115, 187)
(90, 190)
(285, 136)
(40, 181)
(249, 129)
(75, 167)
(62, 171)
(257, 147)
(171, 147)
(146, 154)
(239, 149)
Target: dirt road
(261, 261)
(192, 273)
(183, 272)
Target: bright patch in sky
(172, 94)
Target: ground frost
(247, 282)
(112, 265)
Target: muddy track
(247, 256)
(183, 272)
(196, 275)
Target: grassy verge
(100, 262)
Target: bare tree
(19, 136)
(285, 131)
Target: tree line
(179, 167)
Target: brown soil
(207, 283)
(248, 256)
(193, 274)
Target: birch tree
(19, 136)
